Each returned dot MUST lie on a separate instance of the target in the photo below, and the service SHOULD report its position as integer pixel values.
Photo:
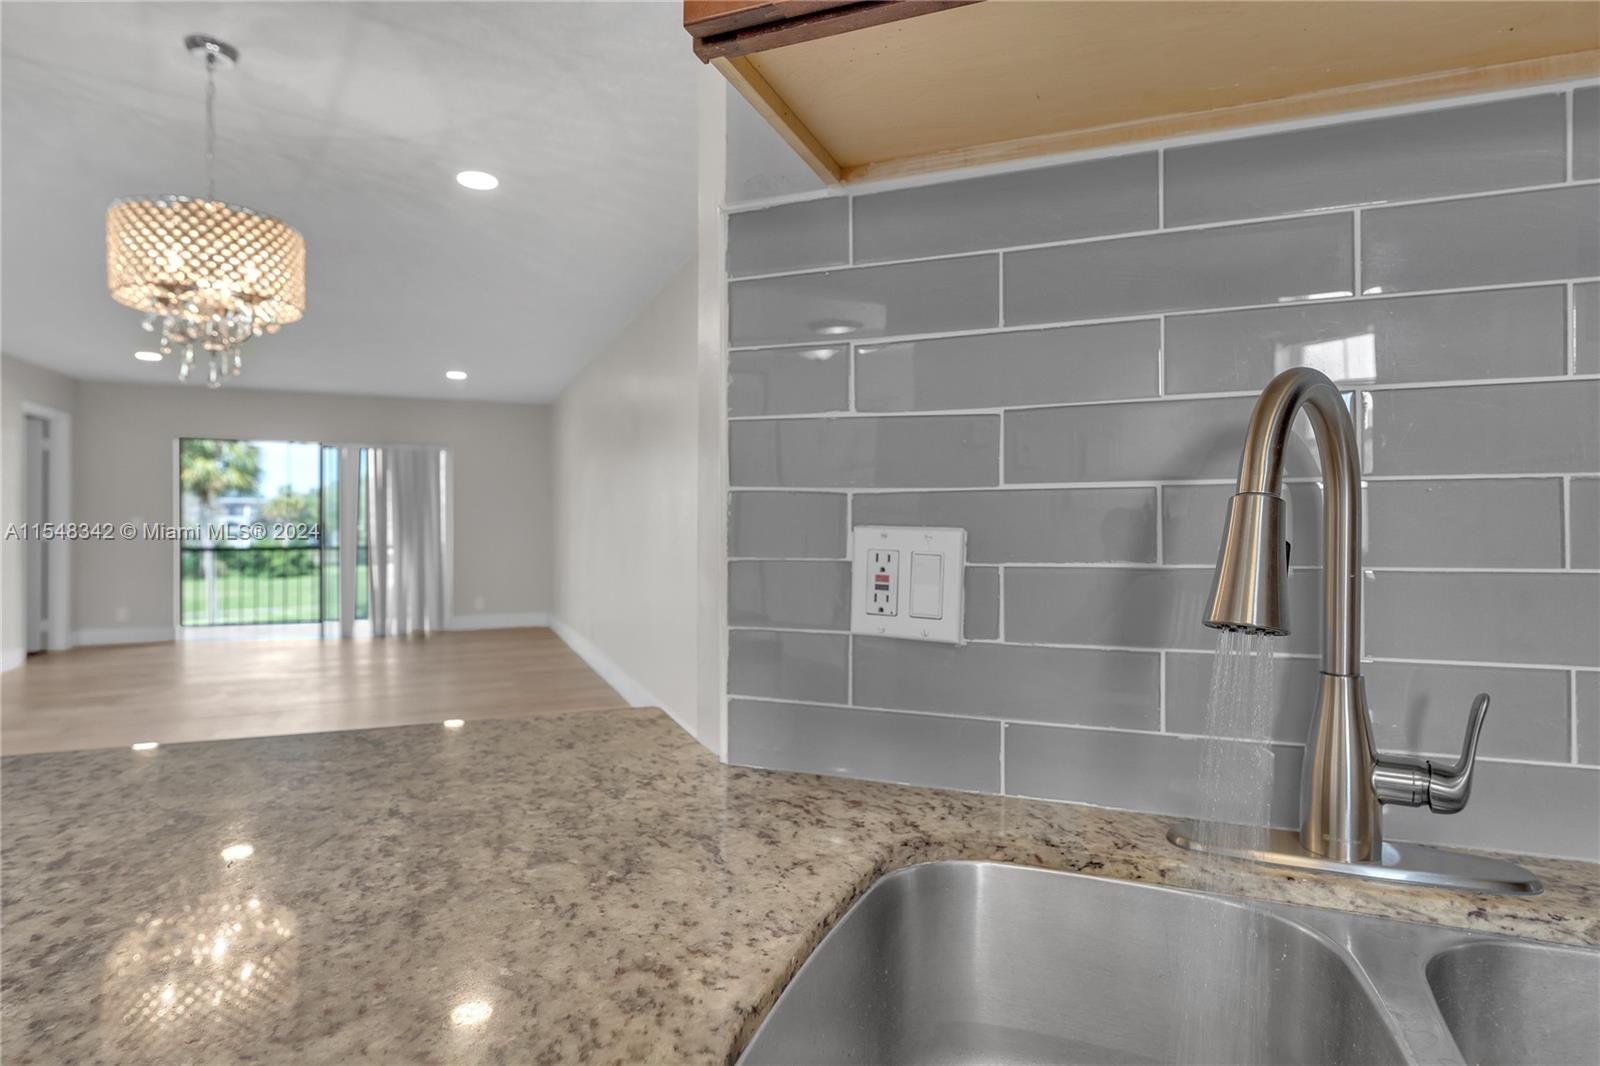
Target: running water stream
(1224, 960)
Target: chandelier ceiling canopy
(208, 275)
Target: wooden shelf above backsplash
(875, 90)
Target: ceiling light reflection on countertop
(454, 723)
(471, 1012)
(237, 852)
(477, 180)
(146, 745)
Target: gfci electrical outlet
(908, 582)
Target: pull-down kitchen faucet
(1344, 781)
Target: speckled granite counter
(586, 887)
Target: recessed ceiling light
(477, 180)
(456, 375)
(147, 357)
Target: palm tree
(211, 468)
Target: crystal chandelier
(207, 275)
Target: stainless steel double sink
(975, 962)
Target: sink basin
(971, 962)
(966, 962)
(1501, 998)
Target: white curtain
(406, 539)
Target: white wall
(627, 479)
(21, 383)
(123, 471)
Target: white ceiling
(349, 121)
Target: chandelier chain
(211, 126)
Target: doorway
(47, 495)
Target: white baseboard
(124, 635)
(601, 663)
(11, 658)
(498, 621)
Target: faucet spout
(1251, 582)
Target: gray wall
(1061, 359)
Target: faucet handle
(1450, 786)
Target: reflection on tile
(1509, 618)
(1586, 327)
(1114, 195)
(815, 233)
(1499, 522)
(911, 749)
(1537, 428)
(789, 666)
(789, 595)
(1140, 771)
(1100, 362)
(1029, 526)
(1496, 145)
(1062, 685)
(788, 381)
(914, 452)
(1488, 240)
(1192, 518)
(1451, 337)
(1422, 709)
(931, 297)
(1533, 810)
(982, 593)
(1583, 522)
(1586, 133)
(1135, 608)
(786, 525)
(1587, 711)
(1231, 266)
(1173, 439)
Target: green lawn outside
(252, 599)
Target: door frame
(57, 552)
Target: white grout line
(1198, 227)
(1572, 717)
(1161, 189)
(1571, 102)
(1161, 692)
(850, 229)
(1570, 327)
(1178, 312)
(1161, 356)
(1000, 296)
(1122, 564)
(1161, 547)
(1566, 522)
(1355, 251)
(1199, 482)
(1001, 628)
(1003, 726)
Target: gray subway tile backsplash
(911, 749)
(982, 596)
(1583, 523)
(1586, 133)
(1497, 522)
(1497, 145)
(813, 233)
(934, 296)
(1167, 440)
(1036, 206)
(1107, 361)
(1443, 337)
(810, 667)
(1088, 438)
(920, 452)
(1153, 772)
(1107, 688)
(791, 594)
(1229, 266)
(1586, 328)
(789, 381)
(1133, 607)
(787, 525)
(1486, 617)
(1087, 525)
(1543, 235)
(1535, 428)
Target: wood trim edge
(743, 76)
(827, 21)
(1347, 98)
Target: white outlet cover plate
(950, 543)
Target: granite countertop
(583, 887)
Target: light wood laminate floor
(111, 696)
